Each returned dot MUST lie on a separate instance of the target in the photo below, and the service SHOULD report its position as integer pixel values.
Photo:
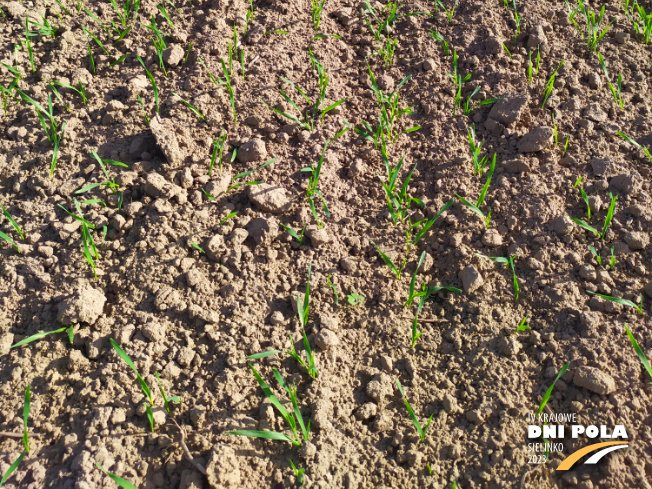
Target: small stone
(171, 371)
(263, 230)
(366, 411)
(166, 139)
(595, 113)
(329, 322)
(86, 305)
(268, 198)
(276, 318)
(173, 55)
(386, 363)
(509, 109)
(601, 166)
(537, 139)
(215, 247)
(492, 238)
(218, 186)
(429, 64)
(380, 387)
(474, 416)
(154, 332)
(627, 183)
(319, 237)
(119, 415)
(118, 222)
(594, 380)
(252, 151)
(595, 81)
(159, 415)
(509, 346)
(562, 225)
(156, 185)
(471, 279)
(637, 240)
(450, 403)
(326, 339)
(185, 356)
(587, 272)
(537, 38)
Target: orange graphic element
(575, 456)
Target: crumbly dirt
(194, 317)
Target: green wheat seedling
(449, 13)
(643, 24)
(598, 258)
(615, 90)
(517, 20)
(637, 145)
(194, 109)
(593, 23)
(239, 176)
(26, 408)
(154, 86)
(298, 473)
(165, 15)
(28, 44)
(421, 228)
(294, 420)
(294, 234)
(303, 311)
(479, 162)
(459, 80)
(550, 84)
(89, 250)
(424, 294)
(96, 39)
(507, 50)
(43, 28)
(386, 44)
(389, 116)
(440, 39)
(333, 288)
(585, 198)
(158, 41)
(35, 337)
(388, 261)
(624, 302)
(110, 183)
(197, 247)
(143, 385)
(413, 417)
(218, 148)
(312, 190)
(476, 207)
(166, 399)
(123, 483)
(78, 90)
(411, 292)
(468, 105)
(546, 396)
(13, 223)
(522, 326)
(610, 214)
(639, 351)
(398, 200)
(506, 261)
(142, 106)
(226, 83)
(317, 8)
(530, 70)
(309, 116)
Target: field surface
(375, 193)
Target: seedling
(298, 473)
(389, 115)
(26, 408)
(546, 397)
(411, 293)
(218, 147)
(607, 221)
(303, 309)
(191, 107)
(317, 8)
(167, 400)
(227, 217)
(639, 146)
(158, 41)
(643, 24)
(459, 80)
(80, 90)
(440, 39)
(143, 385)
(307, 117)
(476, 208)
(125, 484)
(110, 183)
(624, 302)
(476, 149)
(469, 105)
(425, 225)
(294, 234)
(43, 334)
(517, 19)
(247, 173)
(296, 439)
(386, 44)
(585, 198)
(398, 200)
(639, 351)
(449, 13)
(522, 326)
(142, 106)
(333, 288)
(417, 425)
(14, 224)
(593, 23)
(550, 84)
(507, 261)
(185, 58)
(388, 261)
(154, 87)
(529, 65)
(44, 28)
(88, 244)
(566, 143)
(227, 83)
(507, 50)
(598, 258)
(197, 247)
(615, 90)
(354, 299)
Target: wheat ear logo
(603, 449)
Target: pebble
(471, 279)
(594, 380)
(326, 339)
(86, 305)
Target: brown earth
(194, 317)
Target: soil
(194, 315)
